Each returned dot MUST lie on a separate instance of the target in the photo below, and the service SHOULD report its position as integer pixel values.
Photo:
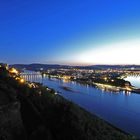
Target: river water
(120, 109)
(135, 80)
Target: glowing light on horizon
(126, 52)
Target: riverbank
(115, 85)
(109, 87)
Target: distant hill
(113, 67)
(37, 66)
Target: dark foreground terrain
(35, 113)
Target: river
(135, 80)
(120, 109)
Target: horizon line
(75, 64)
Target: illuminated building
(13, 71)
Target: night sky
(70, 31)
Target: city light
(105, 78)
(128, 89)
(13, 70)
(22, 80)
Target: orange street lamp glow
(22, 81)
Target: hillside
(35, 113)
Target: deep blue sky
(67, 31)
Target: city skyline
(73, 32)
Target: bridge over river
(32, 76)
